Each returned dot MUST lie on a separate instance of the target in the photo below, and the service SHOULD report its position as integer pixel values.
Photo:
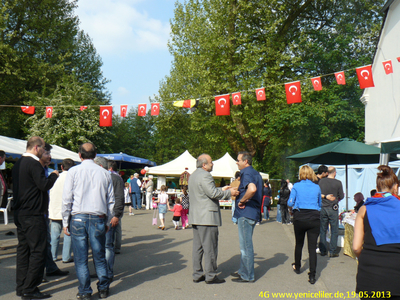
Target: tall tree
(41, 47)
(227, 46)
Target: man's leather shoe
(333, 255)
(235, 274)
(58, 273)
(239, 279)
(312, 280)
(37, 295)
(83, 296)
(104, 293)
(202, 278)
(215, 280)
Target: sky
(131, 37)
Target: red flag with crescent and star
(83, 107)
(142, 110)
(364, 75)
(29, 110)
(105, 116)
(49, 111)
(340, 79)
(316, 82)
(222, 105)
(124, 109)
(236, 98)
(155, 109)
(260, 94)
(387, 65)
(293, 92)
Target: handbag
(155, 217)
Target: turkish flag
(106, 116)
(365, 77)
(236, 98)
(398, 59)
(142, 110)
(340, 79)
(29, 110)
(83, 108)
(49, 111)
(293, 92)
(260, 93)
(222, 105)
(155, 109)
(124, 109)
(316, 82)
(388, 66)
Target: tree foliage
(228, 45)
(41, 47)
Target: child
(162, 206)
(128, 200)
(185, 207)
(177, 213)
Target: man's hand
(241, 204)
(234, 191)
(66, 231)
(114, 221)
(330, 197)
(226, 187)
(55, 172)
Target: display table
(349, 221)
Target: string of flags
(223, 102)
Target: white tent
(176, 167)
(226, 167)
(15, 148)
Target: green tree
(226, 46)
(69, 127)
(41, 47)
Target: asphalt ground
(156, 264)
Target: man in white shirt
(88, 202)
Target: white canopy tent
(14, 148)
(226, 167)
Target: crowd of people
(47, 202)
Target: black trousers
(285, 214)
(31, 252)
(311, 227)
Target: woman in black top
(284, 195)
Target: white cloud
(116, 27)
(121, 91)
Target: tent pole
(347, 187)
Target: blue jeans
(234, 220)
(278, 213)
(56, 228)
(266, 213)
(50, 264)
(246, 228)
(110, 251)
(328, 216)
(85, 228)
(136, 200)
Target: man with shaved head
(205, 217)
(31, 201)
(88, 202)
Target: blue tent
(126, 161)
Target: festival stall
(14, 148)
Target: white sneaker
(131, 214)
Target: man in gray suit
(205, 217)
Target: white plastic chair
(5, 210)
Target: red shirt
(177, 209)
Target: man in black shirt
(331, 193)
(31, 200)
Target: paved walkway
(156, 264)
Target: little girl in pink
(185, 207)
(162, 205)
(177, 209)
